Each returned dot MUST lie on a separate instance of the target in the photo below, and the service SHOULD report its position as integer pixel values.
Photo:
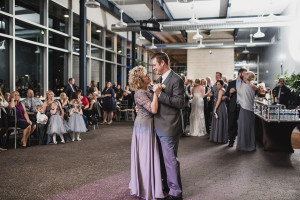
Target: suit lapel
(168, 78)
(159, 79)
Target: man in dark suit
(167, 122)
(186, 110)
(70, 87)
(233, 106)
(282, 93)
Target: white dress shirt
(165, 75)
(41, 118)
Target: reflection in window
(75, 46)
(4, 5)
(58, 17)
(109, 40)
(4, 64)
(127, 73)
(96, 52)
(58, 71)
(58, 40)
(97, 34)
(96, 73)
(128, 48)
(109, 56)
(119, 45)
(76, 25)
(108, 72)
(4, 24)
(29, 68)
(119, 59)
(119, 75)
(29, 32)
(76, 68)
(30, 10)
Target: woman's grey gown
(146, 179)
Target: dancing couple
(155, 170)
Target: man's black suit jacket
(233, 96)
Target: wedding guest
(76, 122)
(234, 106)
(89, 110)
(108, 103)
(115, 87)
(42, 120)
(246, 121)
(128, 97)
(119, 93)
(63, 99)
(146, 180)
(127, 87)
(219, 125)
(3, 122)
(282, 93)
(261, 91)
(23, 120)
(83, 101)
(295, 138)
(6, 96)
(70, 87)
(187, 108)
(93, 87)
(31, 102)
(207, 114)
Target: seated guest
(93, 88)
(3, 121)
(295, 138)
(128, 97)
(261, 91)
(64, 101)
(127, 87)
(31, 102)
(282, 93)
(42, 120)
(23, 120)
(246, 121)
(6, 96)
(83, 100)
(119, 92)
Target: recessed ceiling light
(98, 31)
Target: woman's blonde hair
(12, 96)
(261, 85)
(60, 97)
(249, 76)
(78, 102)
(203, 79)
(2, 97)
(46, 99)
(136, 77)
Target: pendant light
(251, 44)
(200, 45)
(2, 47)
(197, 36)
(259, 34)
(245, 51)
(193, 20)
(92, 4)
(152, 46)
(121, 23)
(141, 37)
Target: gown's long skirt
(146, 179)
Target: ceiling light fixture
(2, 47)
(245, 51)
(153, 46)
(141, 37)
(121, 23)
(251, 44)
(98, 31)
(193, 20)
(92, 4)
(37, 51)
(259, 34)
(197, 36)
(66, 15)
(185, 1)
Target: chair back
(124, 104)
(97, 109)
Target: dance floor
(98, 167)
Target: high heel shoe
(109, 123)
(103, 123)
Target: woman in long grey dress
(219, 124)
(146, 179)
(246, 122)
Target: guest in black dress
(108, 103)
(261, 91)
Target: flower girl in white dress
(76, 122)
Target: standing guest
(215, 90)
(206, 99)
(189, 87)
(70, 87)
(42, 120)
(115, 87)
(76, 122)
(84, 103)
(234, 105)
(56, 124)
(187, 109)
(209, 102)
(23, 120)
(7, 96)
(3, 121)
(108, 103)
(219, 125)
(261, 91)
(224, 78)
(145, 180)
(246, 121)
(119, 93)
(282, 93)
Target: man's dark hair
(219, 73)
(161, 56)
(70, 79)
(241, 70)
(221, 82)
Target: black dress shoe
(170, 197)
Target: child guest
(76, 122)
(41, 123)
(56, 125)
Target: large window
(97, 34)
(108, 72)
(30, 10)
(109, 40)
(110, 56)
(119, 74)
(96, 73)
(76, 25)
(58, 17)
(29, 32)
(4, 5)
(76, 68)
(4, 24)
(58, 71)
(58, 40)
(29, 68)
(4, 64)
(96, 52)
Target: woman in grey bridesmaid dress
(219, 124)
(146, 179)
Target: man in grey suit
(167, 122)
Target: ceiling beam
(106, 4)
(164, 7)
